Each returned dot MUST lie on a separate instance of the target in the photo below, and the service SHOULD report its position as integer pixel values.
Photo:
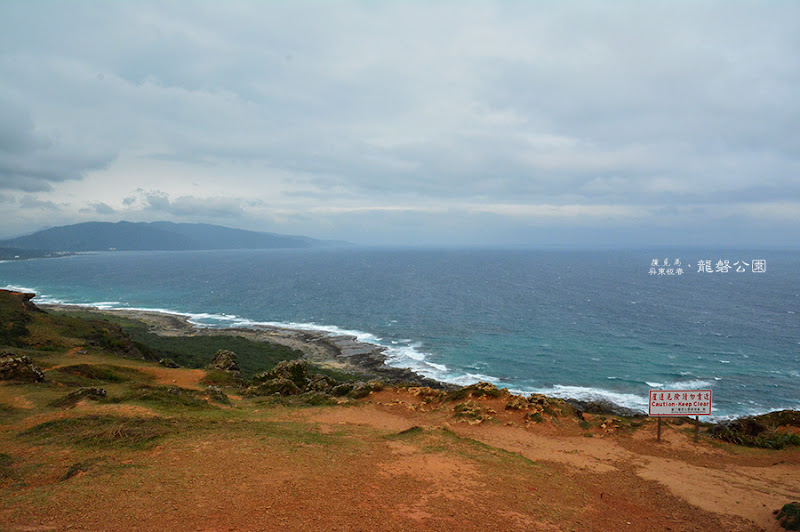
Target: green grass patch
(94, 330)
(164, 396)
(217, 377)
(9, 413)
(409, 433)
(75, 396)
(197, 351)
(306, 399)
(536, 417)
(769, 438)
(73, 318)
(194, 351)
(6, 469)
(96, 374)
(335, 374)
(92, 372)
(775, 440)
(102, 431)
(482, 452)
(14, 320)
(79, 467)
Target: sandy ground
(743, 488)
(348, 468)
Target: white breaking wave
(696, 384)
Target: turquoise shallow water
(582, 324)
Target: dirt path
(750, 489)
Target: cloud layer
(406, 122)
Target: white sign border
(687, 414)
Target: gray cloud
(29, 202)
(276, 110)
(31, 161)
(98, 207)
(192, 207)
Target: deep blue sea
(580, 324)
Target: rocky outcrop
(368, 360)
(602, 407)
(25, 298)
(294, 378)
(226, 361)
(473, 412)
(19, 368)
(26, 301)
(216, 394)
(295, 371)
(279, 386)
(480, 389)
(518, 402)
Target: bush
(760, 431)
(789, 516)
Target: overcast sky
(501, 123)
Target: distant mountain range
(129, 236)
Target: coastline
(340, 352)
(444, 335)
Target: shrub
(789, 516)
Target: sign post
(675, 403)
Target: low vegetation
(775, 430)
(97, 431)
(101, 410)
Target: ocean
(587, 325)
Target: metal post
(696, 428)
(658, 438)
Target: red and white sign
(680, 403)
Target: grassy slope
(78, 462)
(196, 351)
(153, 456)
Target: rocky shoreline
(341, 352)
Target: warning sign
(680, 403)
